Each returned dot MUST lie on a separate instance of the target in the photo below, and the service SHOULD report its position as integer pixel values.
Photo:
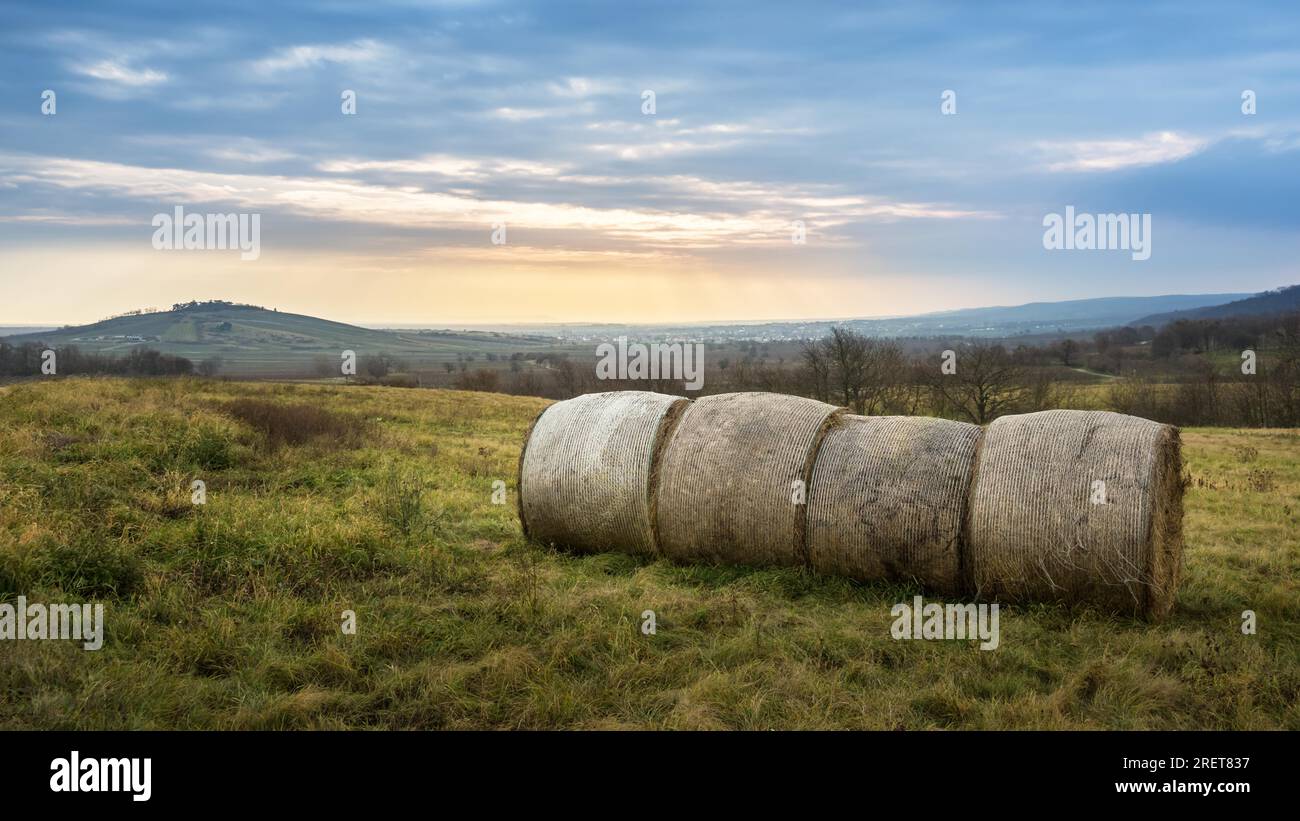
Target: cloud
(249, 151)
(444, 165)
(657, 149)
(535, 256)
(216, 146)
(578, 87)
(751, 214)
(308, 56)
(86, 220)
(517, 114)
(1112, 155)
(244, 101)
(115, 72)
(655, 138)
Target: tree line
(1198, 374)
(1189, 372)
(29, 358)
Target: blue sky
(530, 114)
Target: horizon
(461, 325)
(655, 169)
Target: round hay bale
(586, 471)
(727, 488)
(1078, 506)
(888, 499)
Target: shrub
(400, 380)
(295, 424)
(479, 380)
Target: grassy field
(227, 615)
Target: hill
(251, 340)
(1277, 301)
(1116, 310)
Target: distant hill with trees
(1279, 301)
(250, 340)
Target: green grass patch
(379, 501)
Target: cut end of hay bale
(888, 500)
(1078, 506)
(1166, 524)
(586, 470)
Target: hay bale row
(1010, 511)
(1078, 506)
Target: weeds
(296, 424)
(1261, 480)
(402, 504)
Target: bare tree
(524, 383)
(1042, 392)
(857, 371)
(847, 352)
(483, 379)
(908, 393)
(1065, 351)
(1283, 373)
(570, 379)
(323, 366)
(210, 366)
(986, 383)
(886, 374)
(818, 369)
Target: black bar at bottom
(334, 770)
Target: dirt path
(1095, 373)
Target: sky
(919, 145)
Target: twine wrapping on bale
(888, 500)
(586, 471)
(1041, 529)
(727, 489)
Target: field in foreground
(228, 614)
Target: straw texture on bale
(888, 499)
(1035, 531)
(727, 490)
(586, 472)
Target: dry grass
(227, 616)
